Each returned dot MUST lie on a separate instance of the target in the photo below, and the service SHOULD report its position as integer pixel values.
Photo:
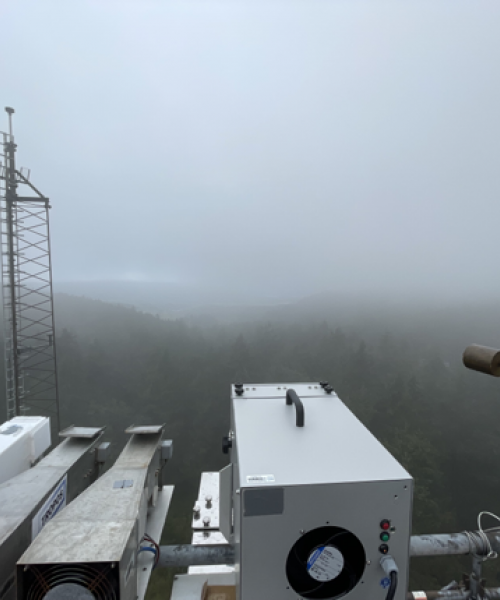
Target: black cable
(392, 588)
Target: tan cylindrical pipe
(482, 358)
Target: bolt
(196, 511)
(208, 500)
(368, 562)
(206, 521)
(302, 531)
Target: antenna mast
(28, 307)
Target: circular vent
(325, 563)
(54, 582)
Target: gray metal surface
(22, 497)
(145, 429)
(333, 447)
(102, 518)
(207, 517)
(81, 432)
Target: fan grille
(351, 563)
(98, 578)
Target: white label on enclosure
(54, 503)
(260, 479)
(325, 563)
(419, 595)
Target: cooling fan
(325, 563)
(81, 581)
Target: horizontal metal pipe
(453, 543)
(489, 594)
(187, 555)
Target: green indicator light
(384, 536)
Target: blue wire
(153, 550)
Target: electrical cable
(393, 587)
(147, 549)
(148, 538)
(391, 570)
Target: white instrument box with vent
(315, 499)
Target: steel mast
(28, 308)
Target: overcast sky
(275, 145)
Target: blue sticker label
(314, 557)
(385, 582)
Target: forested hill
(398, 370)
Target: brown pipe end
(483, 359)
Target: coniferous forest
(399, 371)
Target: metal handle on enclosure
(291, 396)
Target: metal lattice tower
(30, 351)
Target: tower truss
(28, 308)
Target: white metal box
(22, 441)
(311, 502)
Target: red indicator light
(385, 524)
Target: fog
(262, 147)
